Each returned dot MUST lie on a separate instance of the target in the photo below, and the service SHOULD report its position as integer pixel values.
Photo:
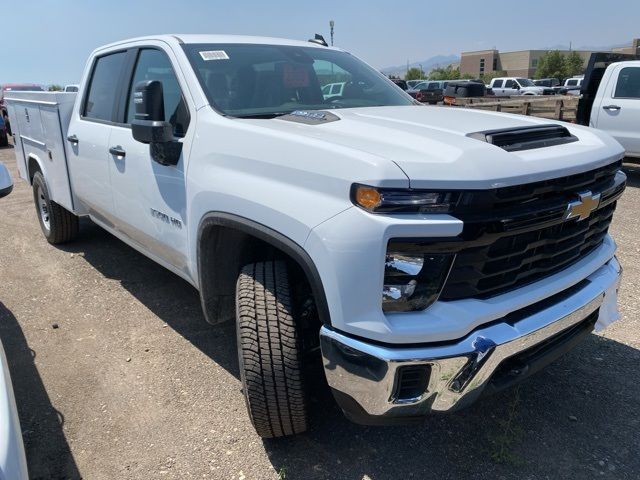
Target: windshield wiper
(262, 115)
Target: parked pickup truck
(427, 92)
(426, 256)
(506, 86)
(611, 98)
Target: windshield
(249, 80)
(525, 82)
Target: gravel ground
(117, 375)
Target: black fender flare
(275, 239)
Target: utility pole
(331, 25)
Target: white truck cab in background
(611, 98)
(506, 86)
(424, 255)
(616, 107)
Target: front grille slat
(498, 259)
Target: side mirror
(149, 125)
(516, 86)
(6, 184)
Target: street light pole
(331, 25)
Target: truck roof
(213, 38)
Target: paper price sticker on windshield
(214, 55)
(295, 76)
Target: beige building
(634, 49)
(518, 64)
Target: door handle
(118, 151)
(73, 139)
(611, 107)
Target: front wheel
(58, 224)
(269, 350)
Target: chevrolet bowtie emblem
(581, 209)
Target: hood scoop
(525, 138)
(310, 117)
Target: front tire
(269, 350)
(58, 224)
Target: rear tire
(57, 223)
(269, 350)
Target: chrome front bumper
(364, 376)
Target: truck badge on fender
(174, 222)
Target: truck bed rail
(557, 107)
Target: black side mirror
(149, 125)
(6, 185)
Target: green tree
(573, 64)
(55, 88)
(448, 73)
(487, 77)
(551, 65)
(414, 74)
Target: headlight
(413, 281)
(393, 200)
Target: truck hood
(431, 146)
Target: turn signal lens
(399, 200)
(368, 197)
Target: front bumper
(366, 377)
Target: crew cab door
(150, 198)
(619, 108)
(88, 136)
(510, 87)
(496, 86)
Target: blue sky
(49, 41)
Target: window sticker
(208, 55)
(295, 76)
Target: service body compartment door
(39, 120)
(57, 174)
(17, 143)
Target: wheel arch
(225, 242)
(34, 164)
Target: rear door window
(100, 102)
(497, 84)
(628, 85)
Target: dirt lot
(134, 384)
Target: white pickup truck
(425, 255)
(507, 86)
(611, 99)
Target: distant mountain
(427, 65)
